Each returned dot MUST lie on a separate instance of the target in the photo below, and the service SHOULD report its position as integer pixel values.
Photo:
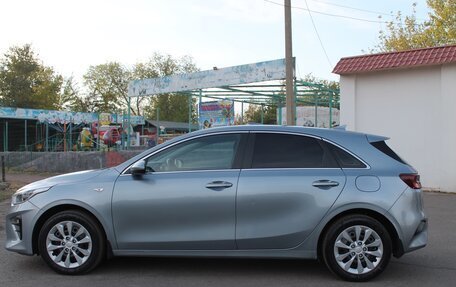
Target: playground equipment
(85, 139)
(46, 130)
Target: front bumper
(19, 228)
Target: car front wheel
(357, 248)
(71, 242)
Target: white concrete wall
(347, 101)
(448, 128)
(416, 108)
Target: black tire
(347, 223)
(97, 245)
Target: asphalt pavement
(434, 265)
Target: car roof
(320, 132)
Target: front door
(186, 200)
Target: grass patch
(7, 189)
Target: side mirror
(138, 168)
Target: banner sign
(216, 114)
(250, 73)
(62, 117)
(48, 115)
(106, 119)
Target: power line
(318, 35)
(359, 9)
(352, 8)
(330, 14)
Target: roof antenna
(342, 127)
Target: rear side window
(345, 159)
(384, 148)
(290, 151)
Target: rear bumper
(412, 222)
(420, 238)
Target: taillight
(411, 179)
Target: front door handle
(324, 183)
(219, 184)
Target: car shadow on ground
(203, 266)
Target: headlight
(22, 196)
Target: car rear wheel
(357, 248)
(71, 242)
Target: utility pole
(290, 96)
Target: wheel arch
(66, 207)
(398, 249)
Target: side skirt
(263, 253)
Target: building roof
(396, 60)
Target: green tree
(107, 87)
(172, 107)
(84, 104)
(253, 114)
(324, 84)
(142, 70)
(69, 95)
(404, 33)
(25, 82)
(325, 87)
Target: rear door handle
(324, 183)
(219, 184)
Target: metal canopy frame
(271, 94)
(266, 94)
(259, 83)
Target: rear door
(289, 184)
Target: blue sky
(71, 35)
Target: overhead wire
(318, 34)
(378, 13)
(331, 14)
(352, 8)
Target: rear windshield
(384, 148)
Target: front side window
(290, 151)
(205, 153)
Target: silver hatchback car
(249, 191)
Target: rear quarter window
(345, 159)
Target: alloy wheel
(69, 244)
(358, 249)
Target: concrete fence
(61, 162)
